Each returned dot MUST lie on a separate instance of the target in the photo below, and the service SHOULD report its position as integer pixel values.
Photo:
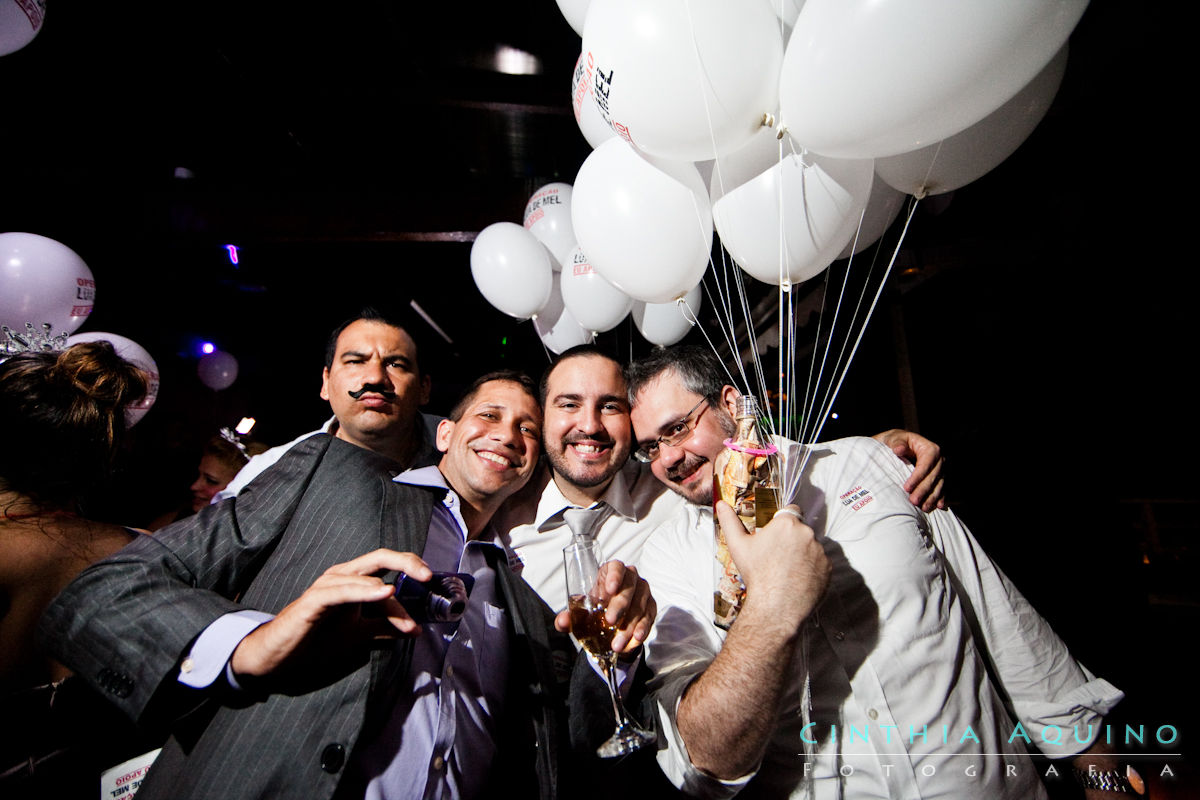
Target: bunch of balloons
(538, 271)
(815, 118)
(810, 119)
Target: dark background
(353, 151)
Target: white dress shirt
(902, 702)
(639, 504)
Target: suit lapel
(403, 526)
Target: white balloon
(684, 79)
(666, 323)
(591, 123)
(556, 326)
(883, 206)
(575, 11)
(818, 202)
(42, 281)
(135, 354)
(512, 269)
(971, 154)
(787, 10)
(548, 218)
(873, 78)
(217, 370)
(646, 224)
(19, 23)
(595, 303)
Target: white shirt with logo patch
(902, 702)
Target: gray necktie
(585, 522)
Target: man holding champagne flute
(878, 653)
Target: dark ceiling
(353, 150)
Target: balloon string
(741, 293)
(922, 190)
(814, 382)
(712, 136)
(545, 348)
(724, 319)
(858, 340)
(809, 419)
(785, 298)
(853, 317)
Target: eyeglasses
(680, 431)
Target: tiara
(233, 438)
(32, 341)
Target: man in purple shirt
(335, 690)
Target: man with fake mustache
(374, 384)
(264, 631)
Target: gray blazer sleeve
(125, 623)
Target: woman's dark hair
(65, 416)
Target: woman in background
(222, 458)
(63, 416)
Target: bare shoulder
(55, 548)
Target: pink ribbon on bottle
(754, 451)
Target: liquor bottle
(745, 476)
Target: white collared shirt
(890, 652)
(639, 504)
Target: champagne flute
(595, 634)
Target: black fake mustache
(388, 394)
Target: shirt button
(839, 636)
(450, 672)
(872, 713)
(187, 666)
(438, 762)
(332, 758)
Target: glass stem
(609, 665)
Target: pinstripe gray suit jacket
(125, 624)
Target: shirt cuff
(210, 653)
(1070, 723)
(677, 765)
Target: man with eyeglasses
(587, 439)
(878, 652)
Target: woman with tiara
(62, 420)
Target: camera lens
(447, 599)
(442, 599)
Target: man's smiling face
(586, 421)
(662, 410)
(492, 449)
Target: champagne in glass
(589, 625)
(595, 634)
